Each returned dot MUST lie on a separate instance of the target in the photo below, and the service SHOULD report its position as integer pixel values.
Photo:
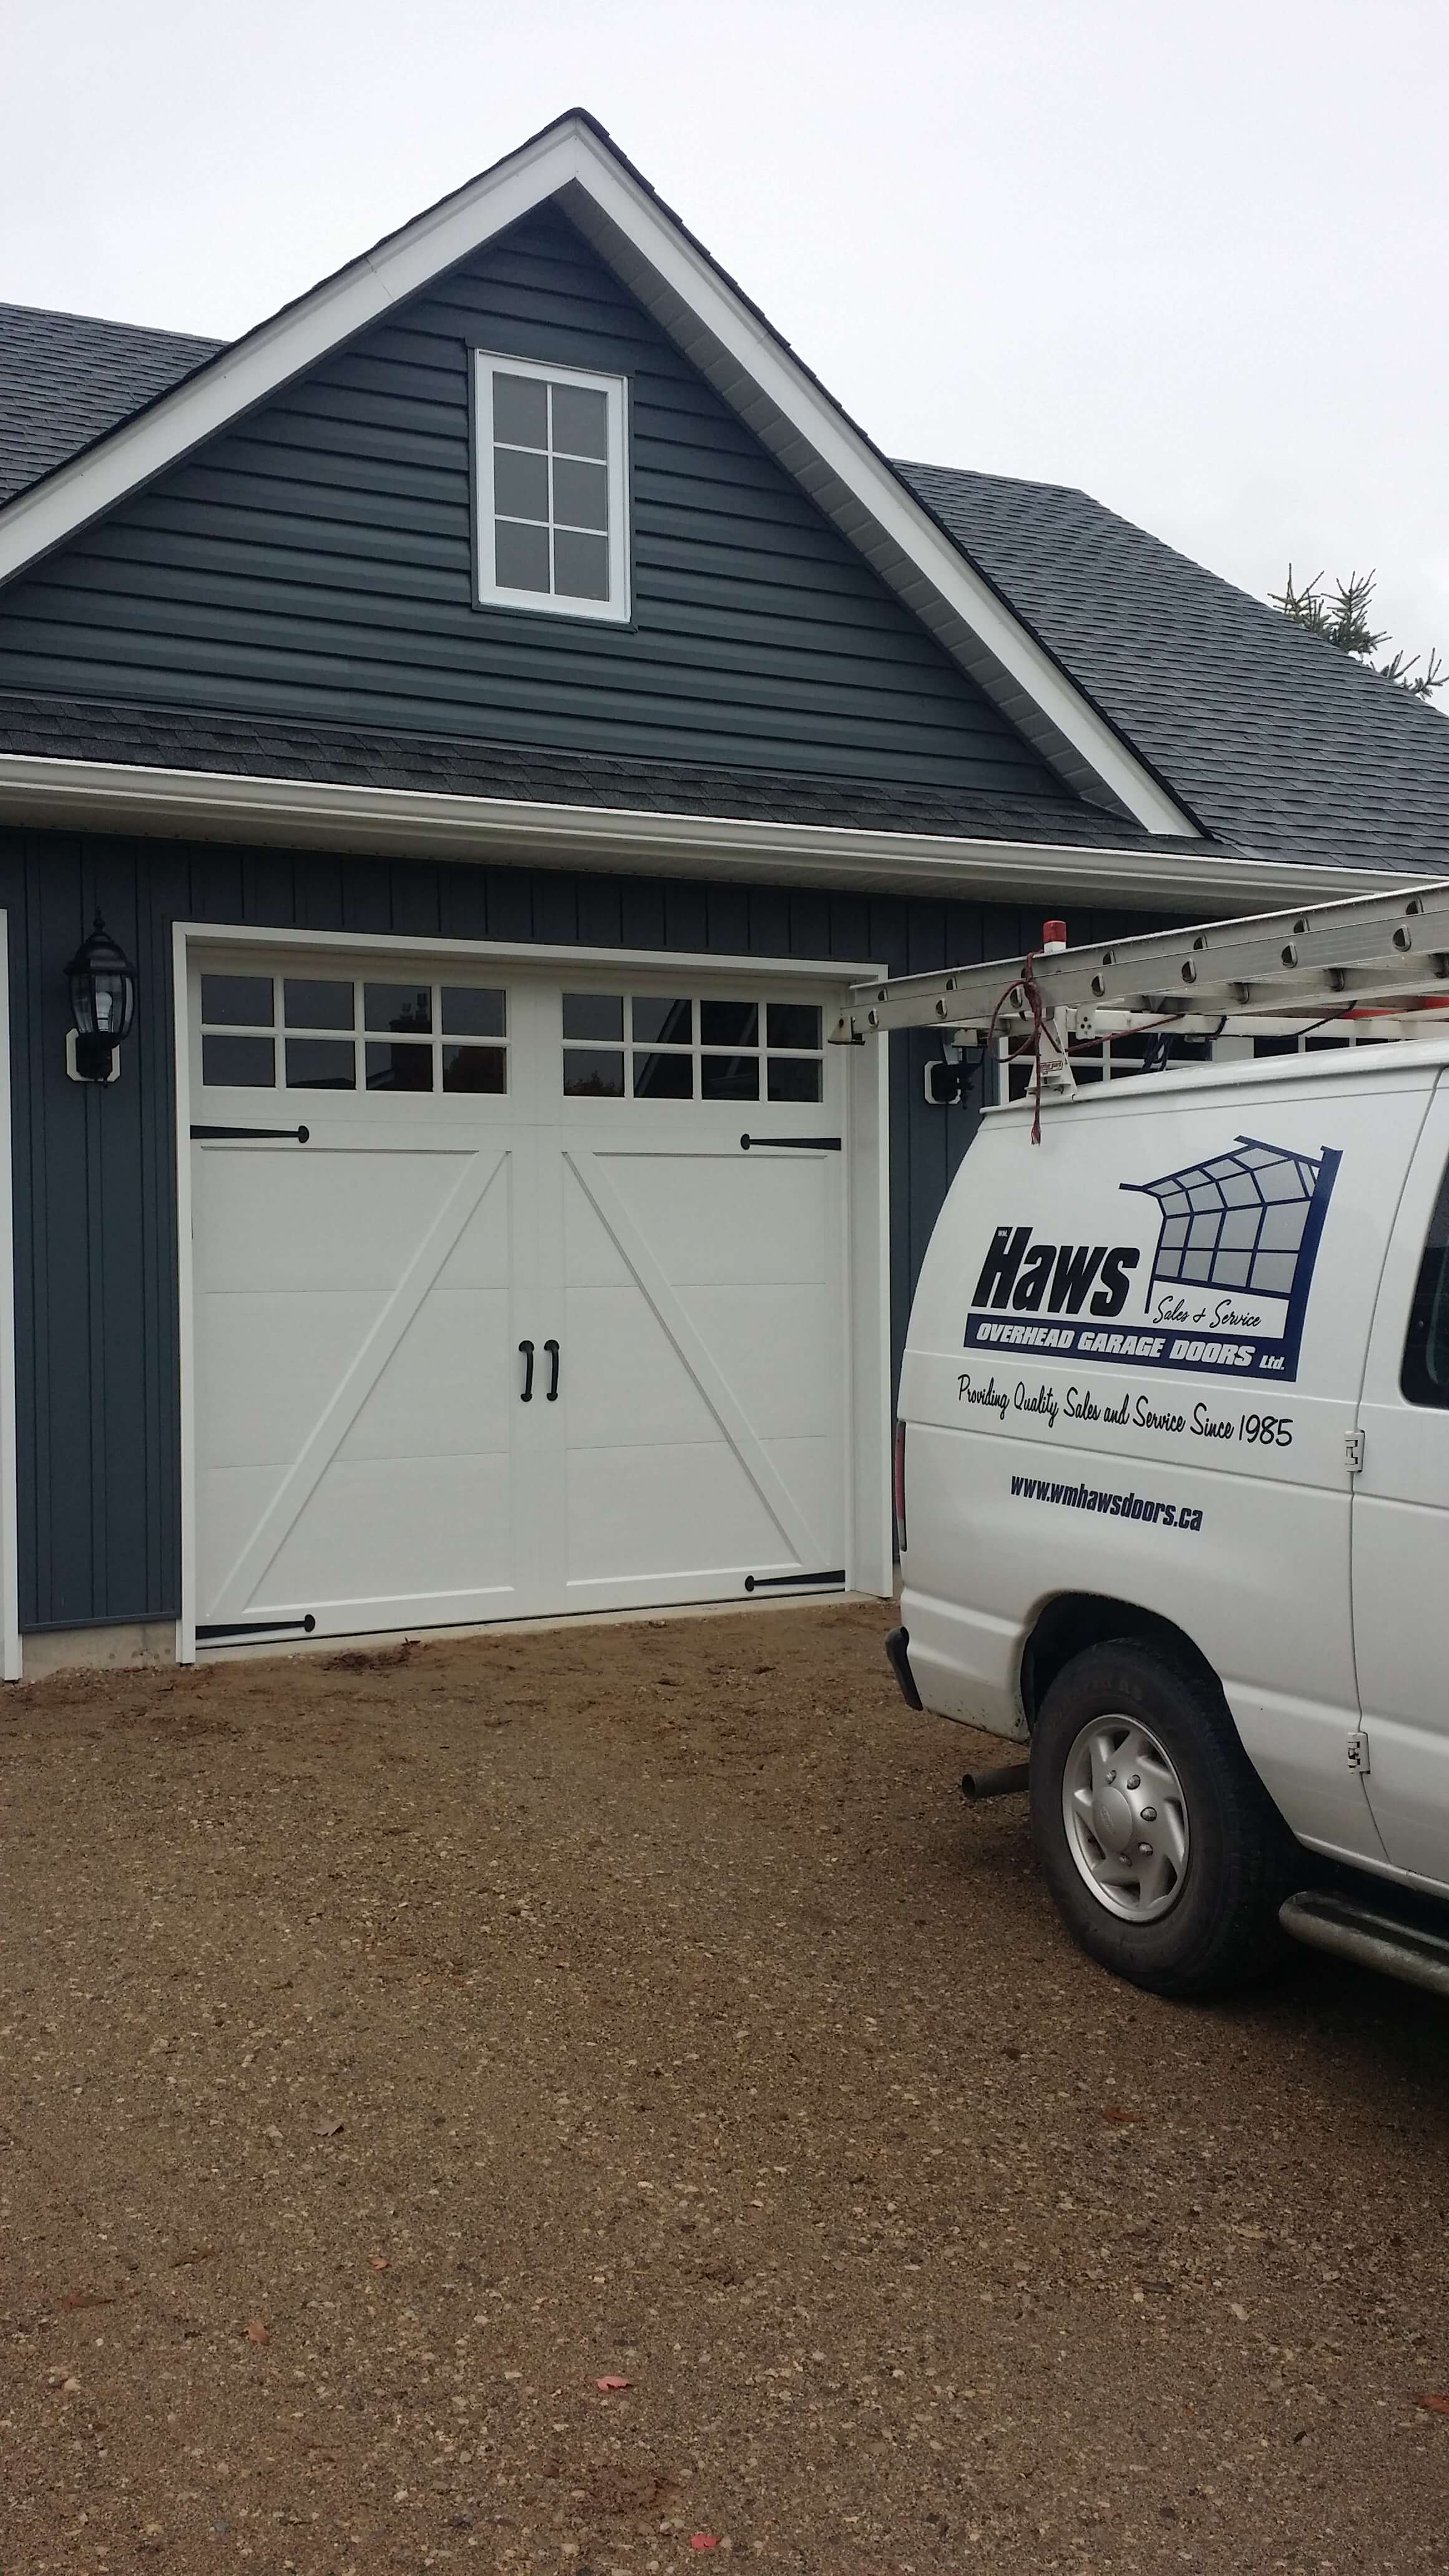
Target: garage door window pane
(407, 1008)
(593, 1073)
(472, 1012)
(249, 1063)
(321, 1064)
(475, 1068)
(733, 1024)
(729, 1077)
(664, 1077)
(599, 1016)
(318, 1002)
(237, 1001)
(793, 1024)
(661, 1023)
(794, 1077)
(399, 1068)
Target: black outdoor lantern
(102, 984)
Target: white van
(1173, 1491)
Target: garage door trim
(864, 1254)
(11, 1653)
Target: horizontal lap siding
(95, 1205)
(317, 562)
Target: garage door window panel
(663, 1077)
(728, 1049)
(416, 1038)
(238, 1050)
(318, 1002)
(321, 1064)
(729, 1077)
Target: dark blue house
(498, 706)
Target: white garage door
(495, 1311)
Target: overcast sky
(1190, 254)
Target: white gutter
(114, 796)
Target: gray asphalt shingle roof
(65, 378)
(259, 746)
(1277, 742)
(1273, 738)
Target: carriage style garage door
(494, 1313)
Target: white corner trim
(11, 1662)
(570, 153)
(270, 356)
(181, 935)
(112, 796)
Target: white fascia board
(296, 338)
(749, 366)
(106, 796)
(887, 524)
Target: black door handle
(527, 1349)
(552, 1349)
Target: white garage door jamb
(864, 1249)
(10, 1648)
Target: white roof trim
(113, 796)
(749, 367)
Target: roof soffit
(733, 346)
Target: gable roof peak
(575, 162)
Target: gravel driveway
(394, 2048)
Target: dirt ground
(395, 2049)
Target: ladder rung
(1314, 959)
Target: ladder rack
(1265, 972)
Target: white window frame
(617, 609)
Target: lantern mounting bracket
(77, 1059)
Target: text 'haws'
(1054, 1278)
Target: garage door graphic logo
(1224, 1289)
(1236, 1254)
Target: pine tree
(1341, 617)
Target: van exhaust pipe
(1003, 1781)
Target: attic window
(552, 489)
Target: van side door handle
(527, 1350)
(552, 1349)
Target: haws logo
(1224, 1288)
(1056, 1276)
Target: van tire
(1216, 1926)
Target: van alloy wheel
(1132, 1738)
(1125, 1814)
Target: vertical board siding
(316, 561)
(95, 1179)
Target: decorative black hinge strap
(215, 1628)
(206, 1134)
(805, 1144)
(776, 1582)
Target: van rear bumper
(897, 1648)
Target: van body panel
(1401, 1554)
(1133, 1366)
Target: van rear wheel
(1163, 1850)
